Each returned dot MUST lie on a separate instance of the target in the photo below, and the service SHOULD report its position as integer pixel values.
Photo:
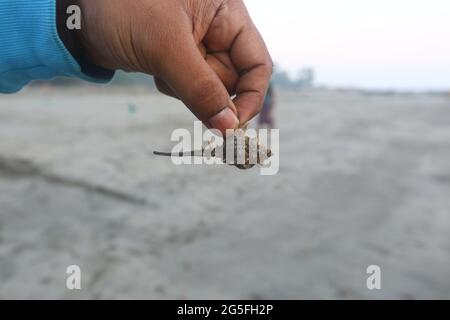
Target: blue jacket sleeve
(30, 47)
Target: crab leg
(181, 154)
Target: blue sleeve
(30, 47)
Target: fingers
(254, 65)
(234, 32)
(230, 58)
(221, 64)
(189, 77)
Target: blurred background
(361, 95)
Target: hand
(200, 51)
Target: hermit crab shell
(247, 152)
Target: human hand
(200, 51)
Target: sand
(364, 179)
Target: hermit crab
(247, 152)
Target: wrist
(70, 38)
(75, 40)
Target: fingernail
(225, 119)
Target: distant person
(201, 52)
(266, 117)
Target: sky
(376, 44)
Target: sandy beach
(364, 179)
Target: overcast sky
(403, 44)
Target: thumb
(190, 77)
